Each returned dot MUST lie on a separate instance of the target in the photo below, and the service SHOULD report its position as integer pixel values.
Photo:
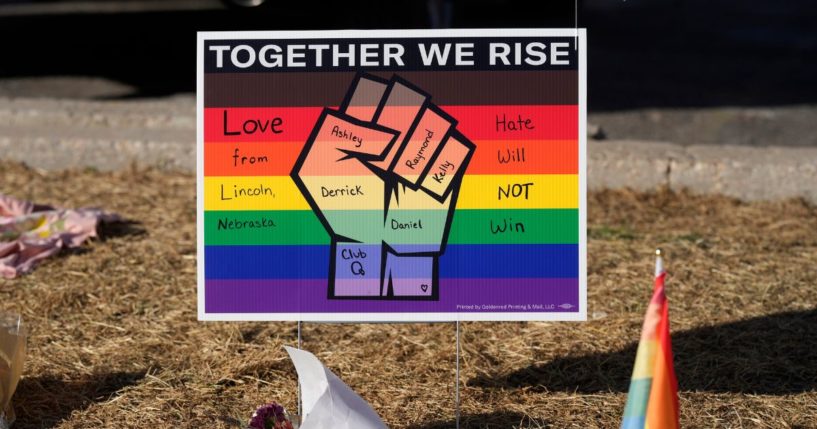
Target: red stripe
(288, 124)
(255, 124)
(517, 122)
(659, 281)
(666, 345)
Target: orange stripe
(254, 159)
(540, 157)
(278, 158)
(662, 408)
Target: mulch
(115, 342)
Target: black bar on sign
(392, 54)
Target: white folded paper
(327, 401)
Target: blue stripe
(459, 261)
(635, 422)
(637, 399)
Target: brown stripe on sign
(368, 93)
(446, 88)
(365, 99)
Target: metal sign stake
(458, 375)
(300, 402)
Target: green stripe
(637, 397)
(540, 226)
(293, 227)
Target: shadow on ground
(496, 420)
(766, 355)
(43, 402)
(107, 231)
(123, 228)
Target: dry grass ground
(115, 342)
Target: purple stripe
(478, 295)
(363, 287)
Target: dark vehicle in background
(640, 52)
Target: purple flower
(270, 416)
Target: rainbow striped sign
(423, 175)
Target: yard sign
(392, 175)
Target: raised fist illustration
(383, 173)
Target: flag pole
(659, 261)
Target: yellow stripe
(544, 191)
(478, 192)
(274, 193)
(645, 359)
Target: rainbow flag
(652, 402)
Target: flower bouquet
(272, 416)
